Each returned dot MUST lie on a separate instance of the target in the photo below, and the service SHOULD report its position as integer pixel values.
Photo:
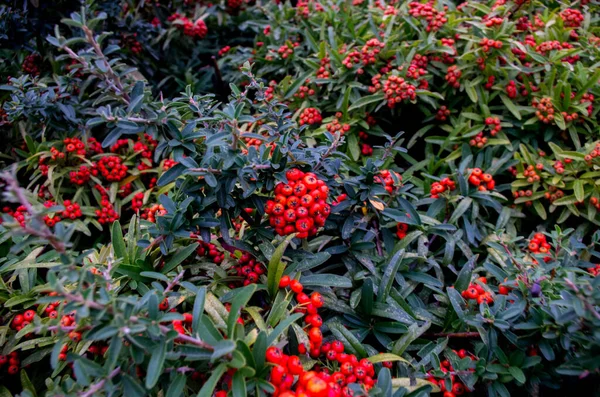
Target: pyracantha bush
(287, 239)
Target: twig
(336, 142)
(43, 232)
(174, 282)
(109, 71)
(97, 386)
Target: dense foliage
(299, 199)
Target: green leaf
(387, 280)
(238, 386)
(156, 364)
(464, 276)
(281, 327)
(291, 90)
(118, 242)
(578, 189)
(179, 257)
(413, 384)
(518, 374)
(366, 100)
(461, 208)
(209, 386)
(276, 266)
(326, 280)
(222, 348)
(510, 105)
(242, 296)
(343, 333)
(177, 386)
(379, 358)
(198, 310)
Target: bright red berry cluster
(300, 206)
(74, 145)
(476, 292)
(72, 210)
(442, 113)
(197, 29)
(489, 44)
(572, 18)
(310, 116)
(538, 244)
(13, 362)
(386, 178)
(336, 126)
(106, 213)
(436, 19)
(481, 180)
(401, 230)
(452, 76)
(291, 379)
(152, 212)
(458, 388)
(248, 269)
(112, 168)
(396, 90)
(137, 202)
(594, 271)
(81, 176)
(445, 185)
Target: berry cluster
(458, 388)
(81, 176)
(452, 76)
(324, 70)
(545, 109)
(476, 292)
(489, 44)
(22, 320)
(305, 91)
(594, 271)
(152, 212)
(396, 90)
(572, 18)
(224, 50)
(442, 113)
(386, 178)
(365, 148)
(299, 206)
(494, 124)
(310, 116)
(248, 269)
(401, 229)
(318, 382)
(72, 210)
(336, 126)
(31, 64)
(531, 172)
(137, 202)
(13, 362)
(478, 140)
(106, 214)
(436, 19)
(208, 249)
(111, 168)
(197, 29)
(511, 89)
(442, 186)
(286, 51)
(482, 181)
(74, 145)
(538, 244)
